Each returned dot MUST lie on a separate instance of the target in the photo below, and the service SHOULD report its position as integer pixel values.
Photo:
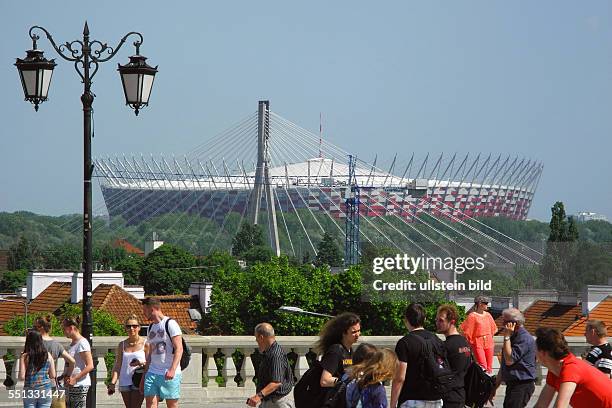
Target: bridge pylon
(262, 183)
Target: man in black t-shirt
(457, 352)
(409, 388)
(600, 354)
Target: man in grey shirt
(274, 377)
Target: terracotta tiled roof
(177, 307)
(117, 302)
(129, 248)
(110, 298)
(603, 311)
(8, 310)
(49, 300)
(52, 298)
(121, 304)
(545, 313)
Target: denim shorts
(156, 384)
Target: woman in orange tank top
(479, 328)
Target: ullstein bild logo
(411, 264)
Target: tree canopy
(328, 252)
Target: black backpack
(308, 392)
(437, 377)
(186, 356)
(478, 385)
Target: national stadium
(267, 163)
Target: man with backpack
(423, 375)
(162, 379)
(458, 353)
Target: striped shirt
(601, 357)
(274, 367)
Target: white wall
(39, 280)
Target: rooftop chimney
(593, 295)
(203, 291)
(153, 244)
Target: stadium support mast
(262, 177)
(351, 226)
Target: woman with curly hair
(335, 343)
(37, 370)
(367, 386)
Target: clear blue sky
(532, 78)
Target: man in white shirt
(162, 379)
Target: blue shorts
(156, 384)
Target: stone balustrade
(204, 379)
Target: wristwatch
(506, 338)
(260, 394)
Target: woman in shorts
(129, 356)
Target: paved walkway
(226, 403)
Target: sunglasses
(132, 326)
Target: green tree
(63, 256)
(169, 270)
(501, 284)
(572, 230)
(13, 280)
(328, 252)
(528, 277)
(558, 224)
(242, 299)
(592, 265)
(24, 254)
(370, 251)
(248, 237)
(561, 250)
(258, 253)
(131, 266)
(104, 324)
(15, 326)
(109, 256)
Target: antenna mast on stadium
(262, 177)
(320, 135)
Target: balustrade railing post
(247, 371)
(211, 368)
(100, 365)
(192, 375)
(3, 371)
(229, 368)
(301, 365)
(15, 370)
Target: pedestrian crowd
(145, 368)
(423, 370)
(426, 372)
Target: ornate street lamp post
(137, 78)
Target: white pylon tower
(262, 177)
